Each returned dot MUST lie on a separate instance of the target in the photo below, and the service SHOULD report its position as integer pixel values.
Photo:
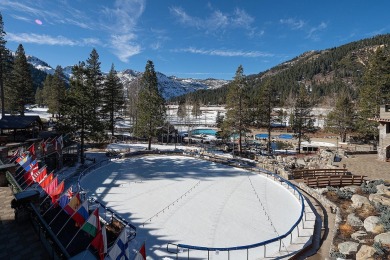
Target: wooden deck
(305, 173)
(334, 180)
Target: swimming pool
(281, 136)
(204, 132)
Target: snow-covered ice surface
(184, 200)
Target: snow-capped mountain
(40, 65)
(170, 86)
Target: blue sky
(188, 38)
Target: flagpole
(78, 232)
(61, 207)
(67, 223)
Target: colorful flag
(81, 214)
(52, 186)
(41, 174)
(29, 175)
(120, 248)
(92, 225)
(73, 204)
(44, 183)
(65, 198)
(20, 157)
(56, 193)
(141, 255)
(100, 242)
(25, 161)
(29, 166)
(34, 172)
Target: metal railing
(179, 247)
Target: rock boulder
(372, 224)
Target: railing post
(280, 244)
(265, 250)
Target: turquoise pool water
(204, 132)
(281, 136)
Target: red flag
(52, 186)
(28, 176)
(34, 171)
(141, 255)
(55, 195)
(100, 242)
(47, 181)
(31, 149)
(41, 174)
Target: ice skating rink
(185, 200)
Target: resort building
(384, 132)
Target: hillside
(325, 72)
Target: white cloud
(123, 48)
(117, 25)
(226, 53)
(242, 19)
(44, 39)
(121, 24)
(216, 20)
(40, 39)
(313, 31)
(293, 23)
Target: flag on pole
(65, 198)
(120, 249)
(27, 167)
(57, 191)
(25, 160)
(141, 255)
(20, 157)
(52, 186)
(92, 225)
(44, 183)
(73, 204)
(29, 176)
(31, 149)
(100, 242)
(41, 174)
(81, 214)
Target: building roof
(19, 122)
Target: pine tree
(56, 91)
(219, 119)
(46, 89)
(151, 105)
(76, 108)
(374, 92)
(301, 119)
(265, 103)
(22, 92)
(196, 112)
(112, 97)
(94, 84)
(237, 106)
(181, 109)
(342, 117)
(39, 100)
